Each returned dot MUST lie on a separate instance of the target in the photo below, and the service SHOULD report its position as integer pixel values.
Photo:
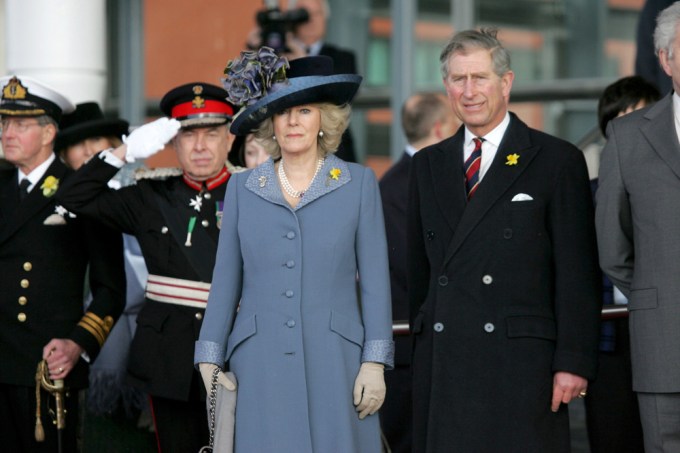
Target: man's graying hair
(468, 40)
(666, 26)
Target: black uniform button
(23, 300)
(24, 283)
(489, 327)
(507, 233)
(164, 230)
(487, 279)
(438, 327)
(443, 280)
(205, 223)
(28, 266)
(207, 196)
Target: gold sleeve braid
(99, 328)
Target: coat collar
(264, 182)
(497, 180)
(660, 132)
(34, 202)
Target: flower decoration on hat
(512, 159)
(49, 186)
(250, 76)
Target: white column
(59, 42)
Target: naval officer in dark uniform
(176, 222)
(44, 253)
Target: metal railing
(400, 328)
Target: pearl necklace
(286, 184)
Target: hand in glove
(206, 370)
(369, 388)
(150, 138)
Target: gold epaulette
(157, 173)
(98, 327)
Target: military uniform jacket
(44, 253)
(161, 353)
(503, 293)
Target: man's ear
(49, 133)
(665, 61)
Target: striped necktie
(471, 168)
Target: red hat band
(188, 109)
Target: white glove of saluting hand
(369, 388)
(206, 370)
(150, 138)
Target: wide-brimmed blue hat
(308, 80)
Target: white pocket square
(522, 197)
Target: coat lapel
(34, 202)
(661, 125)
(449, 180)
(264, 182)
(496, 182)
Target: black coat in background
(503, 294)
(395, 413)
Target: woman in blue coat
(307, 348)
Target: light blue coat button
(290, 293)
(290, 323)
(290, 264)
(291, 235)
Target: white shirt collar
(410, 150)
(676, 114)
(494, 137)
(37, 172)
(315, 48)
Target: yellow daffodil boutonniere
(512, 159)
(49, 186)
(333, 174)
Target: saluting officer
(44, 253)
(176, 222)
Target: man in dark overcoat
(426, 119)
(176, 220)
(44, 254)
(503, 279)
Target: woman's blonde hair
(334, 122)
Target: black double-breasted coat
(503, 293)
(162, 350)
(42, 275)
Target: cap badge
(198, 102)
(14, 89)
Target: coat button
(290, 323)
(507, 233)
(205, 223)
(489, 327)
(438, 327)
(23, 300)
(443, 280)
(24, 283)
(21, 317)
(291, 235)
(487, 279)
(199, 315)
(430, 235)
(290, 264)
(164, 230)
(290, 293)
(28, 266)
(207, 196)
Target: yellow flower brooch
(49, 186)
(335, 173)
(512, 159)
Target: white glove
(206, 370)
(150, 138)
(369, 388)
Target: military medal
(219, 209)
(190, 229)
(196, 203)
